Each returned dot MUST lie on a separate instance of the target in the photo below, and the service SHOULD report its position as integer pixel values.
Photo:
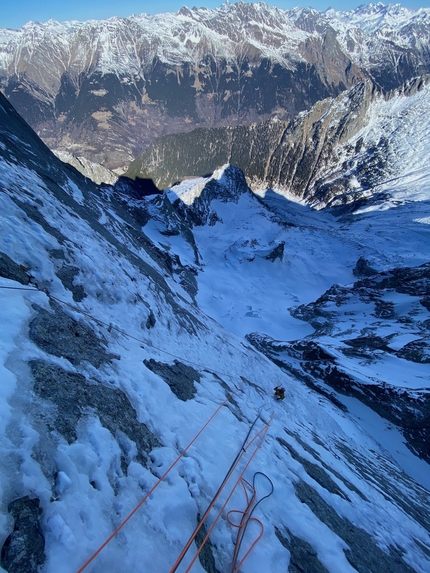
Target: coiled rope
(247, 518)
(130, 515)
(244, 447)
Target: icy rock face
(72, 394)
(23, 550)
(226, 186)
(104, 387)
(106, 89)
(60, 335)
(10, 270)
(94, 171)
(363, 268)
(178, 376)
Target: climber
(279, 393)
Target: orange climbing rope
(121, 525)
(243, 450)
(246, 519)
(236, 568)
(263, 433)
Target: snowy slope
(258, 266)
(398, 129)
(109, 369)
(265, 262)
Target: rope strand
(263, 431)
(130, 515)
(117, 329)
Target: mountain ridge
(331, 155)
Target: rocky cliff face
(105, 90)
(94, 171)
(334, 154)
(392, 331)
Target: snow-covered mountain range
(128, 322)
(104, 90)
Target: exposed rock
(408, 409)
(178, 376)
(416, 351)
(206, 557)
(94, 171)
(59, 334)
(74, 397)
(9, 269)
(314, 471)
(277, 253)
(272, 349)
(67, 274)
(363, 268)
(303, 558)
(227, 186)
(363, 553)
(151, 320)
(319, 459)
(109, 115)
(187, 279)
(23, 550)
(392, 484)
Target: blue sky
(15, 13)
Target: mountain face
(369, 332)
(94, 171)
(347, 357)
(332, 155)
(104, 90)
(142, 339)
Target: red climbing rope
(121, 525)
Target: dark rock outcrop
(60, 335)
(363, 268)
(9, 269)
(180, 377)
(23, 550)
(406, 407)
(73, 397)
